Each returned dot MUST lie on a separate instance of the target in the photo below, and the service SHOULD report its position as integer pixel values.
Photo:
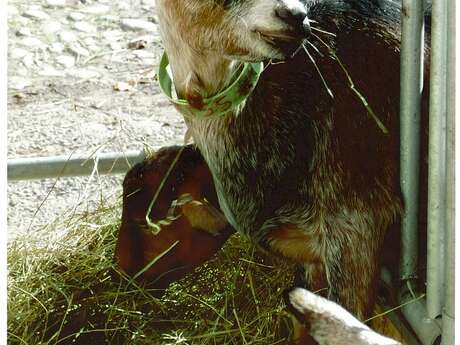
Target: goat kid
(192, 230)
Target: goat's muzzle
(296, 19)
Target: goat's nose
(295, 17)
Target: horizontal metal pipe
(413, 309)
(436, 161)
(405, 330)
(427, 330)
(396, 318)
(411, 92)
(65, 166)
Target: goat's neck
(198, 74)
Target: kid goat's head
(205, 36)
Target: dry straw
(67, 290)
(63, 291)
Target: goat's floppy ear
(203, 216)
(194, 91)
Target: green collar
(228, 99)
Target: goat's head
(245, 30)
(179, 241)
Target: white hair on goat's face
(204, 38)
(247, 30)
(263, 26)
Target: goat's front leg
(352, 263)
(171, 222)
(340, 256)
(340, 259)
(303, 248)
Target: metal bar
(427, 330)
(408, 334)
(406, 331)
(448, 315)
(413, 309)
(437, 160)
(65, 166)
(412, 39)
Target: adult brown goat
(304, 152)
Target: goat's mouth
(159, 282)
(287, 42)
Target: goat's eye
(229, 3)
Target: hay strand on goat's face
(155, 228)
(152, 262)
(329, 91)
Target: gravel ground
(81, 78)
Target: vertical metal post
(412, 39)
(448, 315)
(436, 161)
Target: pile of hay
(61, 291)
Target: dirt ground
(81, 78)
